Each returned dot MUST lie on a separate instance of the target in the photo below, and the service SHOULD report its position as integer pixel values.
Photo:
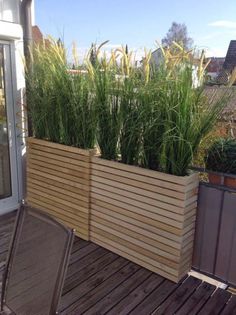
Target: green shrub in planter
(60, 103)
(221, 156)
(150, 117)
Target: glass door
(8, 172)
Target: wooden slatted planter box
(144, 215)
(58, 181)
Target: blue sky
(212, 24)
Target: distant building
(156, 57)
(228, 65)
(37, 36)
(215, 66)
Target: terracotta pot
(230, 182)
(216, 179)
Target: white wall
(33, 12)
(9, 10)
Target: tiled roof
(223, 77)
(215, 64)
(216, 92)
(37, 35)
(230, 59)
(229, 64)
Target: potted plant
(221, 158)
(215, 163)
(230, 150)
(61, 108)
(138, 198)
(143, 196)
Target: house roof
(229, 64)
(216, 64)
(216, 92)
(37, 34)
(38, 37)
(230, 59)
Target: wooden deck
(101, 282)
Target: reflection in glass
(5, 175)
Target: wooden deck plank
(88, 300)
(4, 244)
(78, 244)
(194, 304)
(230, 308)
(135, 297)
(7, 228)
(91, 283)
(5, 218)
(216, 304)
(179, 296)
(120, 292)
(85, 261)
(101, 282)
(82, 252)
(155, 298)
(88, 271)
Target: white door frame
(12, 202)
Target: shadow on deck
(101, 282)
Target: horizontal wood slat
(45, 186)
(145, 236)
(180, 180)
(57, 178)
(58, 173)
(81, 217)
(150, 224)
(60, 214)
(60, 147)
(145, 216)
(51, 161)
(81, 232)
(63, 169)
(138, 252)
(54, 196)
(127, 253)
(44, 180)
(133, 185)
(56, 157)
(151, 206)
(143, 195)
(59, 183)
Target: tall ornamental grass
(190, 116)
(131, 115)
(131, 128)
(152, 117)
(60, 102)
(106, 90)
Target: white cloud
(215, 52)
(209, 36)
(224, 24)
